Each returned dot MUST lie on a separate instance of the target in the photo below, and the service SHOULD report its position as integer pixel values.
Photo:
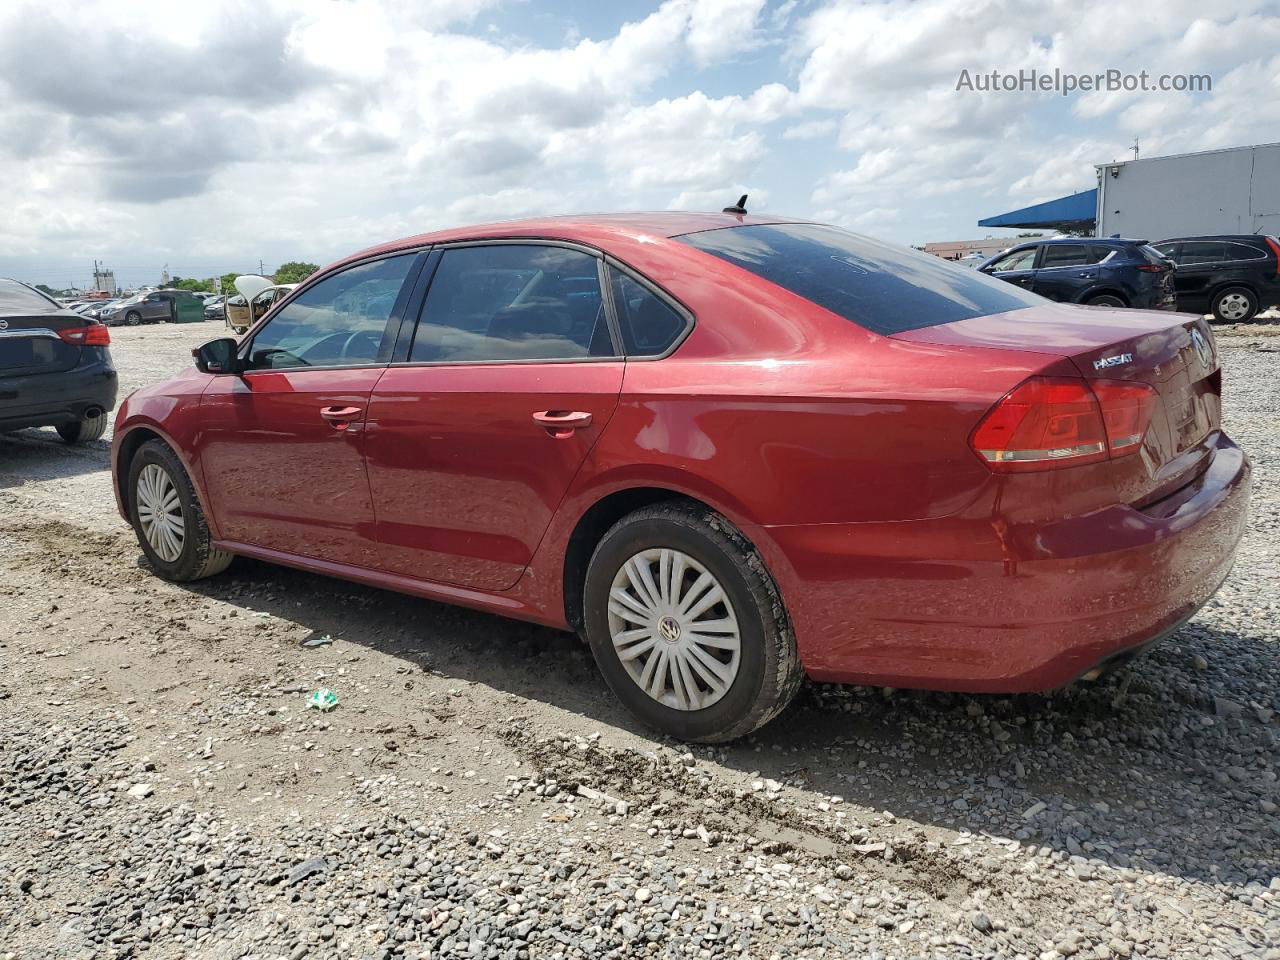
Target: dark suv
(1232, 277)
(55, 368)
(1107, 273)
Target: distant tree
(295, 271)
(190, 283)
(1033, 233)
(46, 289)
(229, 283)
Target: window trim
(400, 358)
(407, 290)
(690, 320)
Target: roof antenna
(740, 207)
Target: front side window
(505, 302)
(1018, 260)
(340, 320)
(649, 324)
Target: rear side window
(649, 324)
(1245, 251)
(1065, 255)
(503, 302)
(879, 286)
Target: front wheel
(167, 517)
(687, 626)
(1235, 305)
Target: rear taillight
(94, 335)
(1275, 248)
(1126, 413)
(1049, 422)
(1152, 268)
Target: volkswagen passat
(728, 450)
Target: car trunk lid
(33, 344)
(1174, 354)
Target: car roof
(590, 229)
(1245, 237)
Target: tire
(1106, 300)
(133, 318)
(1234, 305)
(755, 683)
(190, 556)
(84, 429)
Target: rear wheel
(1105, 300)
(133, 318)
(687, 625)
(84, 429)
(167, 518)
(1235, 305)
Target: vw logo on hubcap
(669, 627)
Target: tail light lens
(1126, 413)
(1049, 422)
(1152, 268)
(94, 335)
(1275, 248)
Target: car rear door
(282, 445)
(1066, 271)
(497, 396)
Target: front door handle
(561, 424)
(339, 417)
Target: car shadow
(39, 454)
(1137, 773)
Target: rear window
(879, 286)
(19, 300)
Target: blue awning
(1073, 212)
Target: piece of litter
(322, 641)
(323, 700)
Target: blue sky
(290, 129)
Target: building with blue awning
(1076, 212)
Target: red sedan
(729, 450)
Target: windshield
(880, 286)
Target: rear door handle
(561, 424)
(339, 417)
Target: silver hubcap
(1233, 306)
(674, 629)
(160, 512)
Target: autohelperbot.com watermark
(1062, 82)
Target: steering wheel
(374, 339)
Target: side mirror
(217, 356)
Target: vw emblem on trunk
(1203, 350)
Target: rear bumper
(50, 399)
(930, 605)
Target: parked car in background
(1103, 273)
(214, 307)
(55, 367)
(1231, 276)
(727, 449)
(240, 315)
(95, 311)
(156, 306)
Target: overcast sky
(212, 133)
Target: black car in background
(1230, 276)
(55, 367)
(1106, 273)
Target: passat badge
(1118, 360)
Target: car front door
(1066, 272)
(1200, 266)
(282, 445)
(475, 433)
(1016, 267)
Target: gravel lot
(164, 790)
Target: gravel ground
(164, 790)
